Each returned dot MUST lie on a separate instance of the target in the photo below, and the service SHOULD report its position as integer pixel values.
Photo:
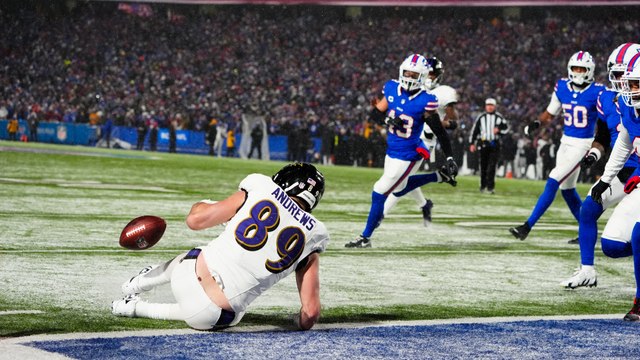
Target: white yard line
(19, 312)
(340, 251)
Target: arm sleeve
(554, 105)
(619, 155)
(434, 123)
(377, 116)
(603, 135)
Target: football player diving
(269, 234)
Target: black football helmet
(437, 70)
(303, 181)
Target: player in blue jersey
(606, 136)
(405, 108)
(621, 236)
(577, 97)
(447, 98)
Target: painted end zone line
(318, 327)
(19, 348)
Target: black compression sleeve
(603, 136)
(377, 116)
(434, 123)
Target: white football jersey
(263, 243)
(446, 95)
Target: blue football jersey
(402, 142)
(632, 123)
(578, 108)
(609, 112)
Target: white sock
(391, 201)
(159, 311)
(160, 275)
(416, 194)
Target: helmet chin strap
(580, 86)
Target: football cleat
(634, 313)
(359, 242)
(582, 277)
(125, 306)
(446, 178)
(521, 232)
(132, 286)
(426, 213)
(574, 241)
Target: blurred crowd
(306, 69)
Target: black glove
(598, 189)
(452, 167)
(396, 122)
(588, 160)
(531, 128)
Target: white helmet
(630, 83)
(618, 61)
(417, 64)
(581, 59)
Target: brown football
(142, 232)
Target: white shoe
(125, 306)
(582, 277)
(132, 286)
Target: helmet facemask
(413, 73)
(435, 74)
(302, 181)
(581, 59)
(630, 91)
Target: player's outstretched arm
(308, 280)
(204, 214)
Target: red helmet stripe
(623, 51)
(632, 62)
(414, 60)
(580, 55)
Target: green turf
(62, 209)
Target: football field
(62, 209)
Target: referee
(485, 137)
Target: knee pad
(616, 249)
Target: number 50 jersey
(579, 108)
(263, 242)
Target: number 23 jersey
(263, 242)
(402, 142)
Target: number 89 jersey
(263, 242)
(402, 142)
(578, 107)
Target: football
(142, 232)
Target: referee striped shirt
(485, 123)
